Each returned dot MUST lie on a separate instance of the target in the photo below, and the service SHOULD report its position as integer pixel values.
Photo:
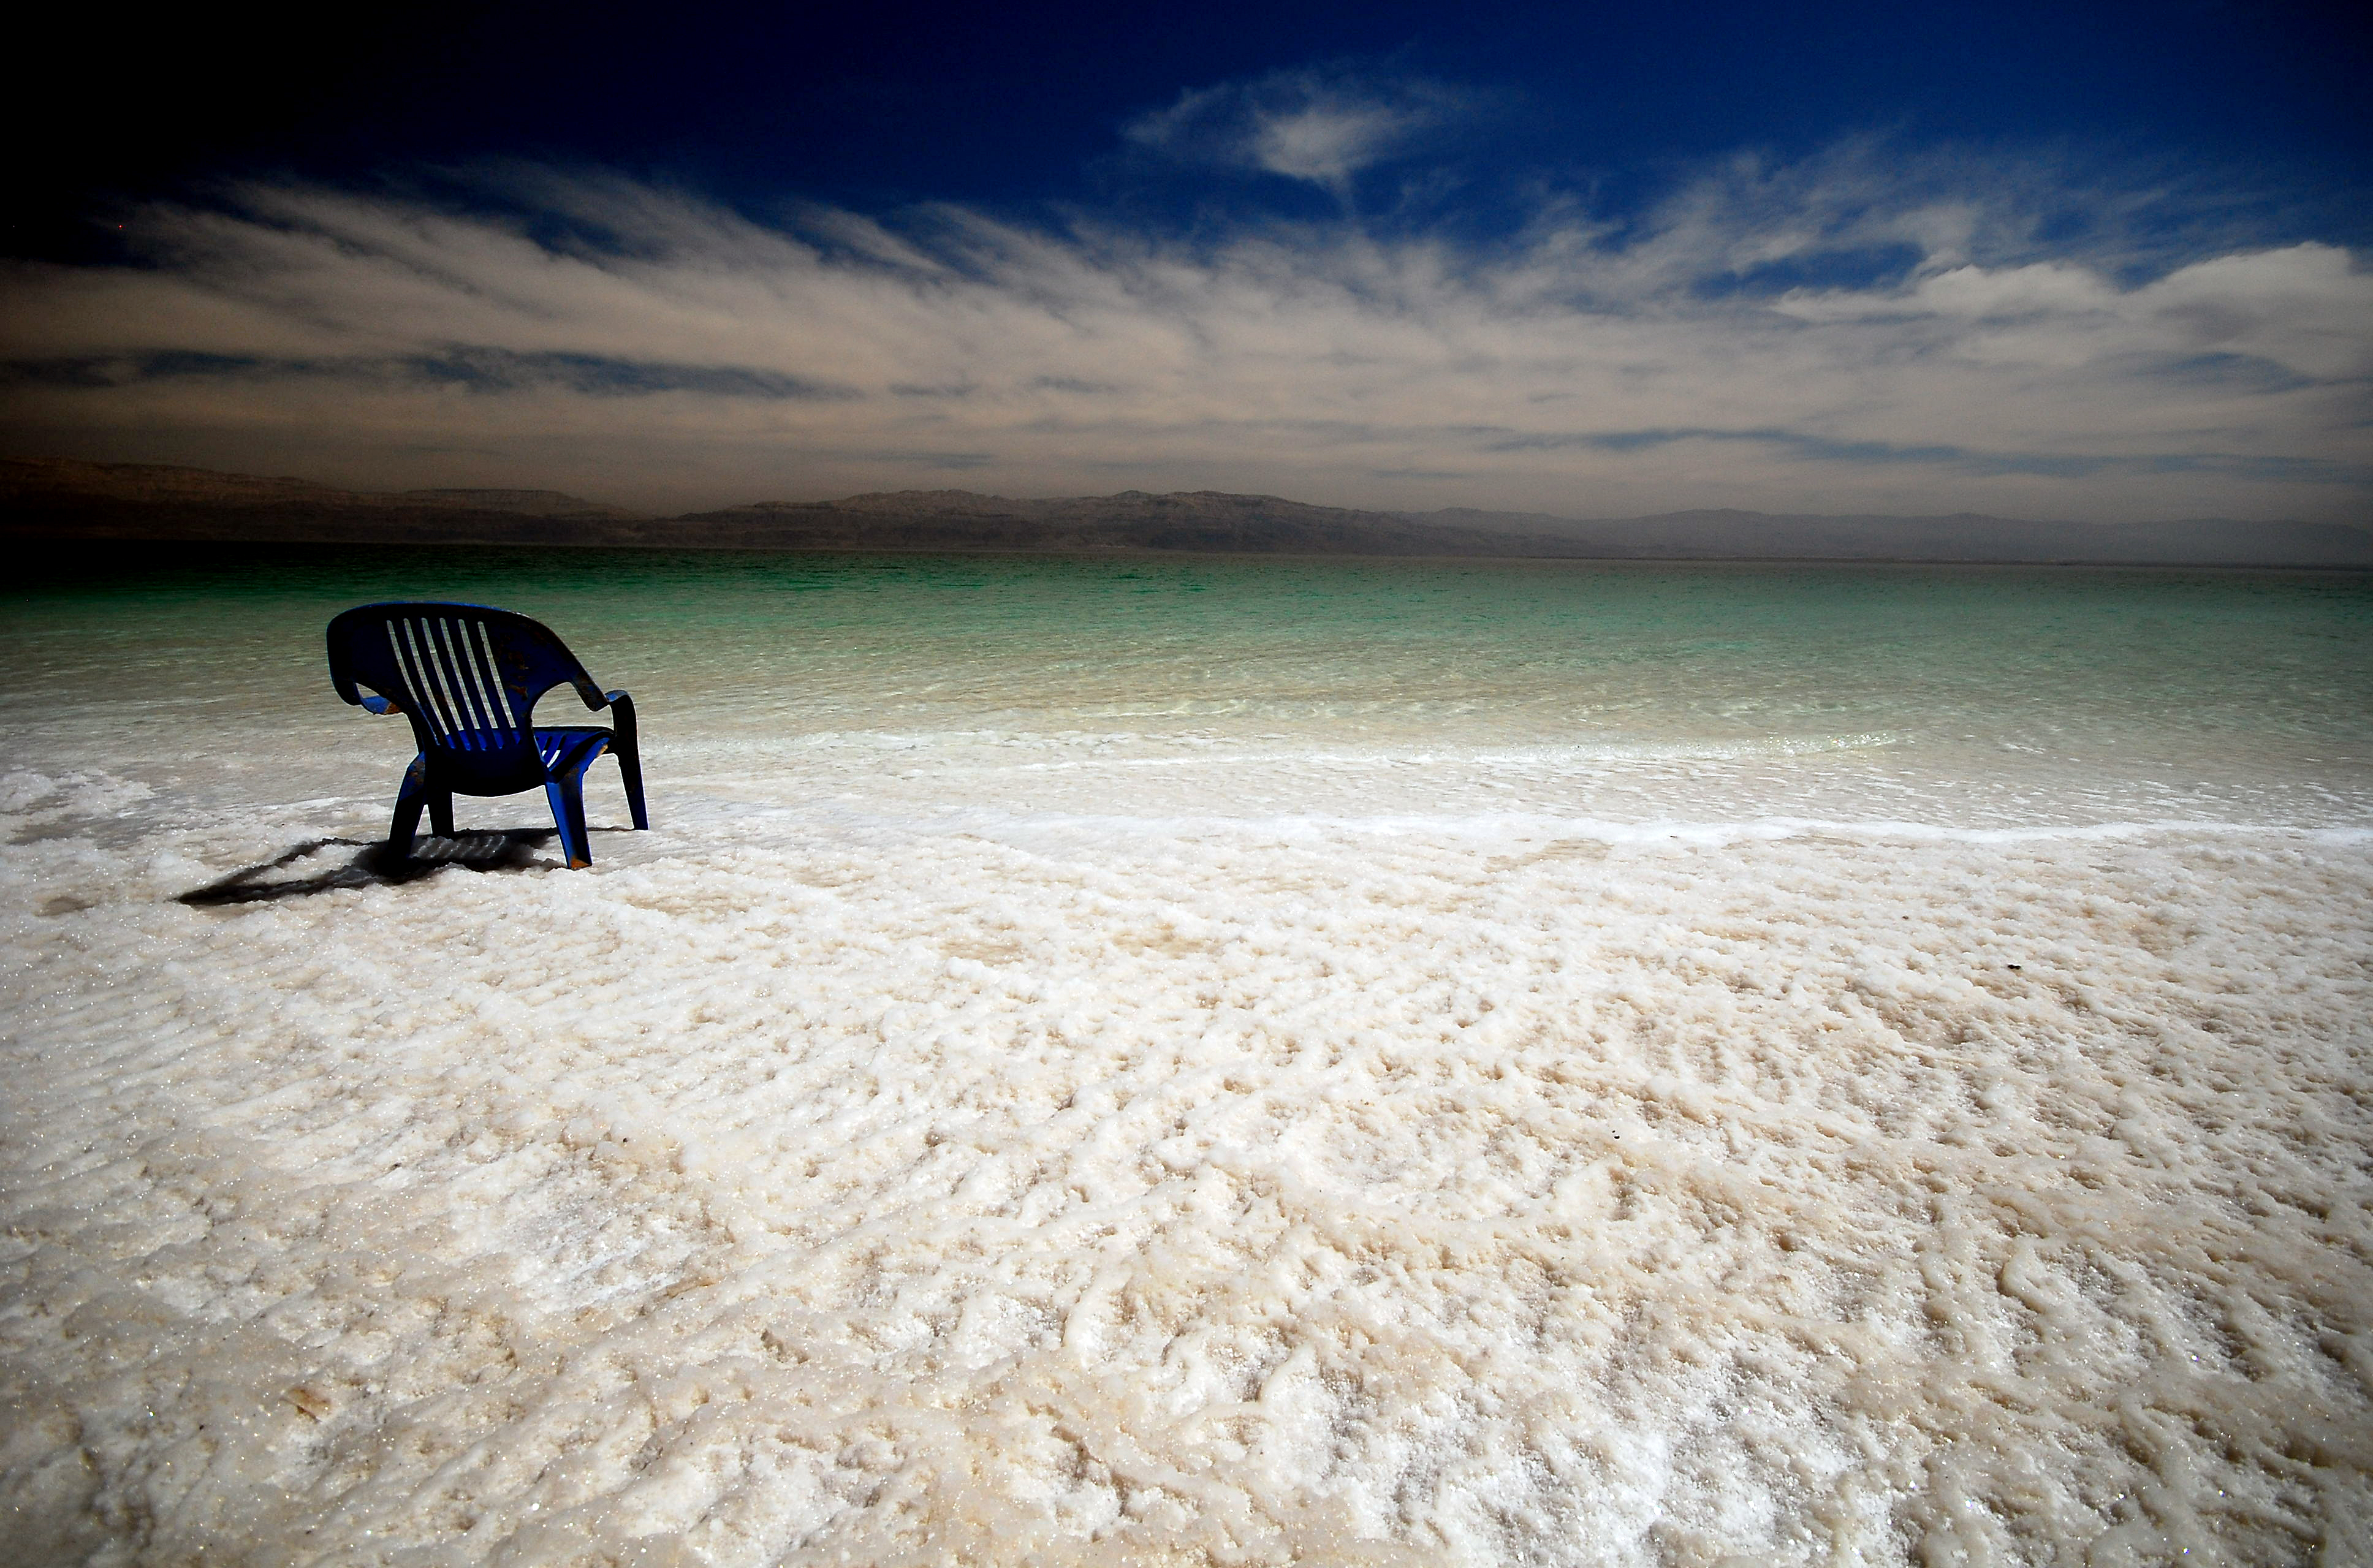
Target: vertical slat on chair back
(453, 683)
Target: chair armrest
(622, 716)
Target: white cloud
(2044, 289)
(2305, 309)
(692, 356)
(1327, 143)
(1322, 128)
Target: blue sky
(2100, 261)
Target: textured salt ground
(825, 1189)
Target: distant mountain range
(65, 500)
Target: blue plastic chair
(468, 677)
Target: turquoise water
(1961, 696)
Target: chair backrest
(467, 676)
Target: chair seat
(488, 762)
(571, 751)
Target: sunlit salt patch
(32, 802)
(819, 1180)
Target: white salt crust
(822, 1187)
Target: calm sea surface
(1961, 696)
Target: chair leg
(626, 747)
(409, 799)
(630, 769)
(568, 797)
(441, 813)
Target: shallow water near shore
(1233, 1061)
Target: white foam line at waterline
(1720, 751)
(1293, 826)
(1582, 753)
(2171, 826)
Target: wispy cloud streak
(1319, 127)
(1829, 337)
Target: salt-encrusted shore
(809, 1185)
